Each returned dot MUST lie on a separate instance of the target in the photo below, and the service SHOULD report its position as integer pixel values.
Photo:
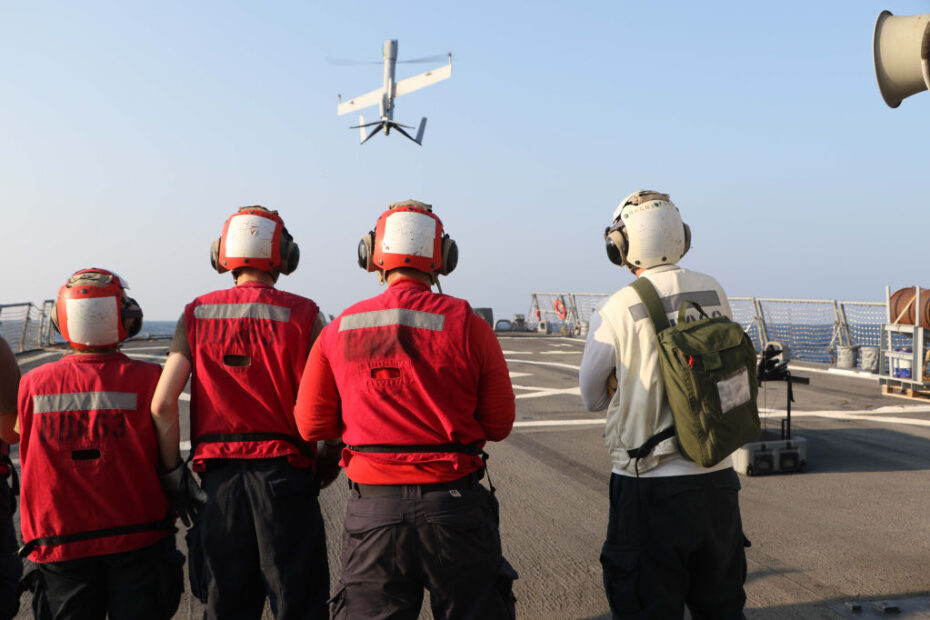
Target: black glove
(327, 462)
(183, 492)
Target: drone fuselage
(384, 97)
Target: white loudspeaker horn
(901, 49)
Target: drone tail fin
(420, 131)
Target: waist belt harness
(471, 449)
(162, 524)
(302, 446)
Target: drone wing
(358, 103)
(423, 80)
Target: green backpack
(709, 368)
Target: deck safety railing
(811, 328)
(26, 326)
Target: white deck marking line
(143, 356)
(184, 396)
(867, 415)
(513, 375)
(854, 374)
(163, 347)
(26, 359)
(767, 413)
(541, 352)
(185, 446)
(540, 393)
(553, 364)
(538, 423)
(562, 338)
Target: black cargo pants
(260, 533)
(446, 541)
(675, 541)
(143, 584)
(11, 568)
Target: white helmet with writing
(647, 231)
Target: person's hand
(327, 462)
(611, 385)
(183, 492)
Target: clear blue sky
(130, 130)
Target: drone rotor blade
(399, 128)
(368, 137)
(371, 124)
(435, 58)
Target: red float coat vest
(402, 364)
(89, 456)
(248, 348)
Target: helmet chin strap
(434, 277)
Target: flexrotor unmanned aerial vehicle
(384, 96)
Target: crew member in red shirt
(415, 383)
(10, 567)
(97, 527)
(260, 532)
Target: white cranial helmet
(647, 231)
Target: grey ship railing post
(43, 326)
(22, 337)
(760, 321)
(45, 322)
(534, 309)
(917, 360)
(846, 330)
(842, 326)
(48, 308)
(884, 338)
(573, 313)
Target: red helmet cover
(88, 314)
(408, 236)
(251, 238)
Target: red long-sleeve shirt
(319, 413)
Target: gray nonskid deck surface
(853, 527)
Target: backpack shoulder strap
(652, 303)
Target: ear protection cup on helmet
(215, 257)
(290, 253)
(54, 317)
(130, 315)
(365, 248)
(687, 239)
(450, 256)
(617, 245)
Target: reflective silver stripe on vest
(83, 401)
(395, 316)
(243, 311)
(706, 299)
